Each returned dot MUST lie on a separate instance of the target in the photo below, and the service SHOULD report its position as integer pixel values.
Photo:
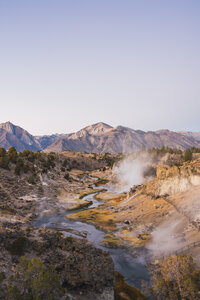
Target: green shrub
(48, 164)
(69, 239)
(12, 154)
(74, 163)
(34, 281)
(195, 150)
(13, 293)
(28, 229)
(2, 276)
(66, 176)
(19, 166)
(31, 179)
(18, 246)
(4, 162)
(29, 155)
(65, 162)
(2, 152)
(26, 168)
(187, 155)
(164, 150)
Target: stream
(133, 269)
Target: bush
(12, 154)
(74, 163)
(2, 277)
(48, 164)
(4, 162)
(31, 179)
(13, 293)
(65, 162)
(164, 150)
(187, 155)
(34, 281)
(175, 278)
(2, 152)
(19, 166)
(67, 177)
(17, 247)
(29, 155)
(26, 168)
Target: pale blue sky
(65, 64)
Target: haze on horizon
(67, 64)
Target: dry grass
(111, 241)
(103, 219)
(136, 241)
(112, 198)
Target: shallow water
(133, 270)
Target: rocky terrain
(156, 218)
(98, 138)
(84, 271)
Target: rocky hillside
(98, 138)
(102, 138)
(177, 179)
(11, 135)
(80, 268)
(30, 186)
(47, 140)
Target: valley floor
(146, 222)
(160, 225)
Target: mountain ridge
(99, 137)
(12, 135)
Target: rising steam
(131, 171)
(166, 238)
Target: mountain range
(99, 138)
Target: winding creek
(133, 270)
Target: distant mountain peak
(8, 126)
(94, 129)
(97, 128)
(163, 131)
(12, 135)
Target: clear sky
(65, 64)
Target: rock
(107, 294)
(161, 172)
(127, 222)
